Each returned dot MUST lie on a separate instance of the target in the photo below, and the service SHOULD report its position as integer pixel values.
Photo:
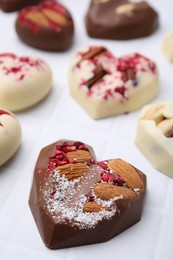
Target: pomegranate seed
(71, 148)
(105, 176)
(52, 195)
(62, 162)
(120, 180)
(103, 164)
(111, 178)
(90, 197)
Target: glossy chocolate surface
(48, 26)
(120, 19)
(59, 211)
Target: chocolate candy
(48, 26)
(168, 46)
(120, 19)
(154, 135)
(10, 135)
(76, 200)
(107, 86)
(24, 81)
(14, 5)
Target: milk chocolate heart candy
(154, 135)
(24, 81)
(120, 19)
(77, 201)
(14, 5)
(48, 26)
(106, 86)
(10, 135)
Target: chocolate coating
(51, 31)
(120, 19)
(58, 230)
(11, 5)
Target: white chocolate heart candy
(107, 86)
(10, 135)
(24, 81)
(168, 46)
(154, 135)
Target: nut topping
(37, 18)
(79, 156)
(166, 126)
(93, 207)
(72, 171)
(131, 176)
(55, 17)
(155, 113)
(126, 8)
(106, 191)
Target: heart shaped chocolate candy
(77, 201)
(120, 19)
(106, 86)
(47, 26)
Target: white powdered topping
(65, 201)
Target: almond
(79, 156)
(72, 171)
(55, 17)
(155, 113)
(126, 8)
(166, 126)
(130, 174)
(37, 18)
(93, 207)
(106, 191)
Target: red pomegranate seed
(90, 197)
(105, 176)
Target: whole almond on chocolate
(79, 156)
(130, 174)
(106, 191)
(72, 171)
(93, 207)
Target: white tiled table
(59, 116)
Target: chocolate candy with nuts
(48, 26)
(15, 5)
(120, 19)
(76, 200)
(154, 135)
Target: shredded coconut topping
(66, 200)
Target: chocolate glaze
(102, 21)
(45, 38)
(58, 234)
(11, 5)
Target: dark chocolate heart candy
(120, 19)
(77, 201)
(14, 5)
(47, 26)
